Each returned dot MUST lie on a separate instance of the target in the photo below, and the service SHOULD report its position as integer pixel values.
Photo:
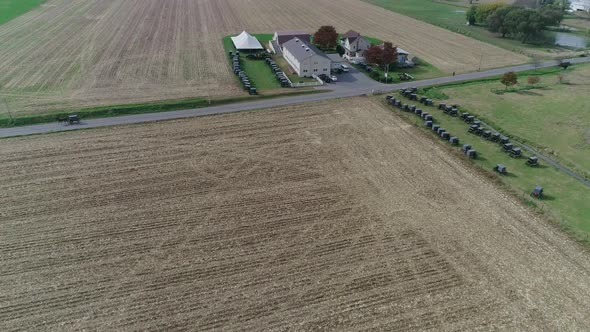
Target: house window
(315, 70)
(315, 63)
(305, 70)
(325, 69)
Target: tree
(496, 21)
(485, 10)
(551, 16)
(524, 24)
(374, 54)
(471, 15)
(326, 37)
(532, 80)
(382, 55)
(389, 54)
(562, 5)
(509, 79)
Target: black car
(325, 78)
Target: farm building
(306, 59)
(354, 46)
(245, 41)
(402, 55)
(336, 59)
(281, 37)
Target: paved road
(354, 84)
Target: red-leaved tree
(374, 54)
(326, 37)
(382, 55)
(389, 54)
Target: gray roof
(292, 33)
(302, 50)
(335, 57)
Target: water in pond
(570, 40)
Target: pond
(569, 40)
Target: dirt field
(90, 52)
(327, 216)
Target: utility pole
(8, 110)
(480, 60)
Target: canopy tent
(245, 41)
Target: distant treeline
(525, 24)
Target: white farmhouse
(354, 46)
(306, 59)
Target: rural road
(339, 90)
(355, 84)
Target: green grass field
(10, 9)
(258, 71)
(553, 117)
(452, 17)
(566, 199)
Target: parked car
(325, 78)
(333, 78)
(345, 68)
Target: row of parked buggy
(515, 152)
(428, 118)
(279, 74)
(475, 127)
(237, 68)
(412, 95)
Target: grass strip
(128, 109)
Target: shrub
(560, 78)
(532, 80)
(509, 79)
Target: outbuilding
(306, 59)
(336, 59)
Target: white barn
(306, 59)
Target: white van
(345, 68)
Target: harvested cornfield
(331, 216)
(70, 54)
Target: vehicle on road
(345, 68)
(333, 78)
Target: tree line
(525, 24)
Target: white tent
(245, 41)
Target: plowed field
(329, 216)
(91, 52)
